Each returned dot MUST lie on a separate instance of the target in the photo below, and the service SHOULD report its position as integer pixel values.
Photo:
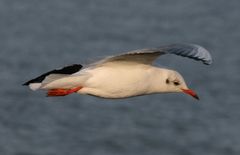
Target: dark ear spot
(167, 81)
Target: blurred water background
(37, 36)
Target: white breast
(117, 81)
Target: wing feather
(147, 56)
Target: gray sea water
(37, 36)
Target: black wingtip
(28, 82)
(65, 70)
(25, 84)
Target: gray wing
(192, 51)
(147, 56)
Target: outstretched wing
(147, 56)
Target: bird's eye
(176, 83)
(167, 81)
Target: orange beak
(190, 92)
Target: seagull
(126, 75)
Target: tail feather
(35, 86)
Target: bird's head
(175, 83)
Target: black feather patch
(65, 70)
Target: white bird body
(127, 75)
(113, 81)
(120, 81)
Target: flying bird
(122, 76)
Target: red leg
(62, 92)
